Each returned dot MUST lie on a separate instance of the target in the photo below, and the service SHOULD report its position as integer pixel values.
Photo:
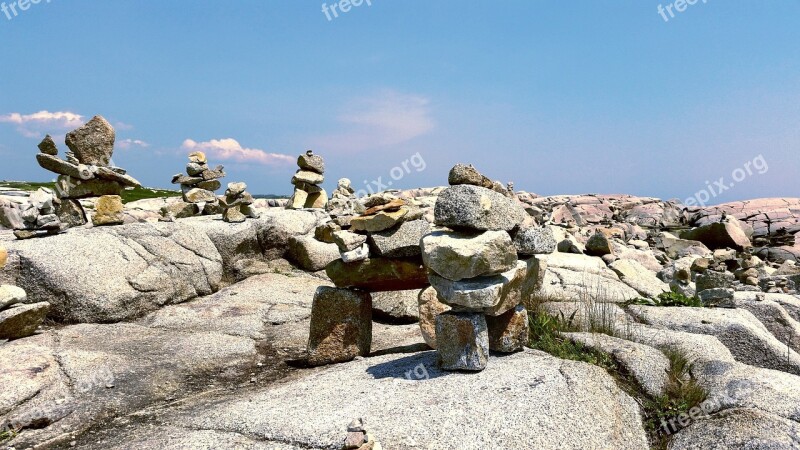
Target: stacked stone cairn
(343, 203)
(237, 203)
(17, 318)
(379, 252)
(86, 172)
(308, 194)
(474, 268)
(198, 187)
(38, 216)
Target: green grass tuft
(671, 299)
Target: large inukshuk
(474, 269)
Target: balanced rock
(493, 295)
(48, 146)
(720, 235)
(475, 207)
(341, 326)
(311, 162)
(535, 241)
(236, 204)
(108, 211)
(399, 242)
(379, 274)
(460, 255)
(93, 143)
(467, 174)
(462, 341)
(357, 254)
(348, 241)
(379, 222)
(508, 332)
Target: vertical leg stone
(462, 341)
(341, 326)
(508, 332)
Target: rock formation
(343, 202)
(38, 216)
(236, 204)
(86, 171)
(307, 180)
(198, 187)
(18, 319)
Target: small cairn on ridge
(18, 319)
(236, 204)
(38, 216)
(86, 172)
(307, 180)
(474, 267)
(343, 202)
(379, 252)
(198, 187)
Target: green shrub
(671, 299)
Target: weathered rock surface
(399, 242)
(311, 254)
(639, 278)
(429, 308)
(508, 332)
(93, 143)
(474, 207)
(396, 306)
(462, 341)
(739, 428)
(19, 321)
(728, 234)
(535, 241)
(493, 295)
(341, 326)
(575, 277)
(460, 255)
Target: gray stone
(11, 295)
(598, 245)
(381, 221)
(460, 255)
(61, 167)
(341, 326)
(720, 235)
(462, 341)
(474, 207)
(179, 210)
(572, 277)
(312, 162)
(48, 146)
(508, 332)
(713, 279)
(396, 306)
(400, 242)
(492, 295)
(307, 176)
(467, 174)
(719, 297)
(348, 241)
(71, 213)
(740, 428)
(197, 195)
(109, 174)
(535, 241)
(93, 143)
(311, 254)
(22, 320)
(638, 277)
(68, 187)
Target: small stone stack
(307, 180)
(474, 269)
(344, 203)
(236, 204)
(359, 438)
(18, 319)
(198, 187)
(87, 170)
(379, 252)
(38, 217)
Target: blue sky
(561, 97)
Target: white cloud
(231, 150)
(128, 143)
(37, 124)
(384, 119)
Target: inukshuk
(86, 172)
(473, 267)
(379, 252)
(307, 190)
(236, 204)
(197, 186)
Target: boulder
(68, 187)
(179, 210)
(108, 211)
(599, 245)
(22, 320)
(739, 428)
(492, 295)
(720, 235)
(459, 255)
(359, 254)
(535, 241)
(48, 146)
(462, 341)
(429, 309)
(276, 226)
(717, 297)
(312, 162)
(197, 195)
(467, 174)
(508, 332)
(11, 295)
(478, 208)
(379, 274)
(399, 242)
(311, 254)
(381, 221)
(93, 143)
(341, 326)
(307, 176)
(639, 278)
